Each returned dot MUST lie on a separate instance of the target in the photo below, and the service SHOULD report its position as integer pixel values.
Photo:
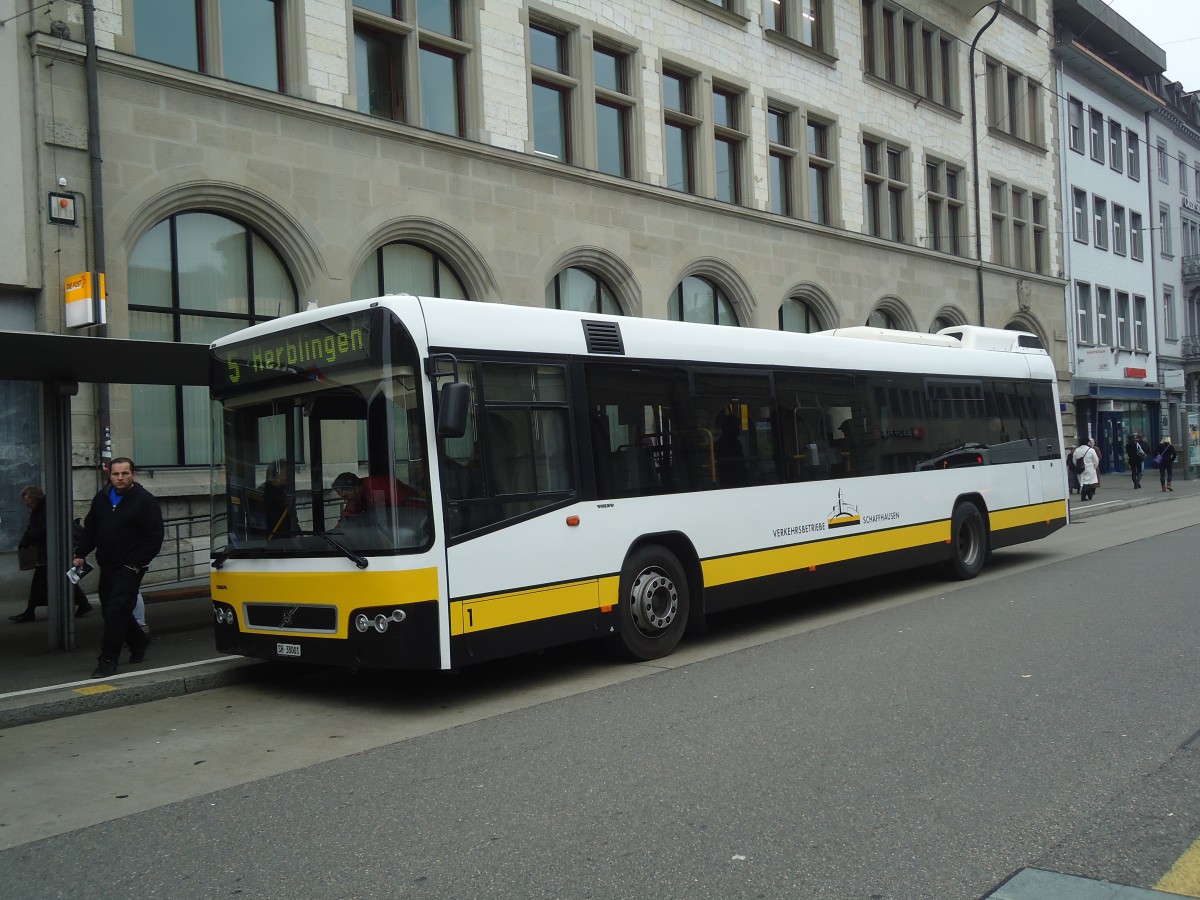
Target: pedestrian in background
(1086, 454)
(35, 537)
(124, 526)
(1164, 458)
(1136, 452)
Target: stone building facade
(804, 164)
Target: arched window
(881, 318)
(582, 291)
(939, 323)
(798, 315)
(194, 277)
(700, 300)
(403, 267)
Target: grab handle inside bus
(453, 406)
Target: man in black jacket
(125, 528)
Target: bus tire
(968, 542)
(652, 612)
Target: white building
(1107, 217)
(1175, 202)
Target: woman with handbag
(32, 552)
(1164, 458)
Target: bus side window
(638, 447)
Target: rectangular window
(441, 90)
(252, 42)
(944, 206)
(1096, 131)
(1196, 172)
(1133, 156)
(378, 73)
(801, 20)
(168, 31)
(910, 53)
(885, 176)
(1014, 103)
(615, 106)
(1123, 321)
(1021, 7)
(1041, 246)
(819, 160)
(1141, 340)
(1020, 228)
(1116, 150)
(1183, 174)
(251, 37)
(1000, 223)
(1164, 229)
(1083, 312)
(409, 62)
(782, 155)
(1079, 214)
(1135, 235)
(1104, 317)
(1118, 229)
(1075, 124)
(681, 126)
(729, 143)
(1164, 173)
(1170, 328)
(553, 90)
(1100, 221)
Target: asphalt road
(901, 738)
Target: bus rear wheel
(968, 542)
(654, 603)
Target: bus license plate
(287, 649)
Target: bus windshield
(324, 459)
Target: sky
(1175, 26)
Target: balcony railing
(1189, 347)
(1191, 269)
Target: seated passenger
(374, 492)
(278, 514)
(349, 488)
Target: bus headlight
(380, 623)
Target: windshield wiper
(360, 561)
(219, 558)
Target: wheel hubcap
(653, 602)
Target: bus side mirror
(453, 406)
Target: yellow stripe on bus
(517, 607)
(759, 564)
(1039, 513)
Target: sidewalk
(1116, 492)
(37, 683)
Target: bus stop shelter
(60, 363)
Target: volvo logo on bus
(286, 620)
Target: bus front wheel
(653, 607)
(968, 541)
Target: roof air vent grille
(603, 337)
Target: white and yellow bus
(423, 483)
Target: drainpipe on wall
(975, 160)
(91, 75)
